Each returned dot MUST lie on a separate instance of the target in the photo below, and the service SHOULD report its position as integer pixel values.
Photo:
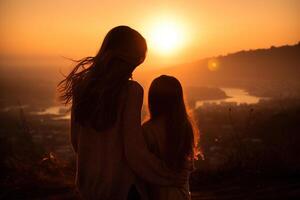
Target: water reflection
(60, 111)
(236, 95)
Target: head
(166, 102)
(95, 84)
(124, 43)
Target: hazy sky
(73, 28)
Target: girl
(170, 134)
(106, 131)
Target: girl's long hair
(166, 101)
(95, 84)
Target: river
(236, 95)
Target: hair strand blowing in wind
(95, 84)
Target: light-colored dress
(110, 162)
(154, 134)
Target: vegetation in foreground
(249, 151)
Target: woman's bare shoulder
(134, 94)
(135, 86)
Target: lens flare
(213, 65)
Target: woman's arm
(73, 134)
(145, 164)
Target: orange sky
(74, 28)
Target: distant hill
(273, 64)
(262, 72)
(249, 69)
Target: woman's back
(100, 156)
(102, 169)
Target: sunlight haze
(176, 31)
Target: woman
(170, 134)
(106, 131)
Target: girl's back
(155, 136)
(169, 134)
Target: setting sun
(170, 100)
(165, 37)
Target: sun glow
(165, 37)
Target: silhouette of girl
(170, 135)
(106, 133)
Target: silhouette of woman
(170, 135)
(106, 133)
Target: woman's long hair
(95, 84)
(166, 101)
